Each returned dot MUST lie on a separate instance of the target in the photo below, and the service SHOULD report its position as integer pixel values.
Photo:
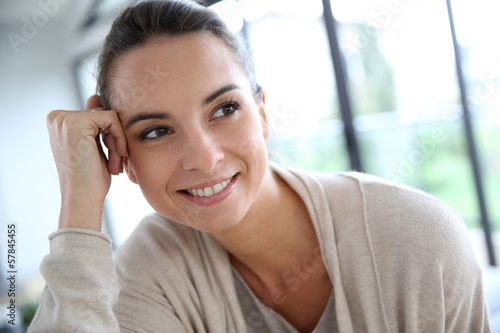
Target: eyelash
(232, 103)
(147, 131)
(235, 104)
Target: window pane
(477, 25)
(488, 135)
(400, 65)
(289, 46)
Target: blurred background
(385, 87)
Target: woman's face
(196, 136)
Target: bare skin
(282, 263)
(262, 223)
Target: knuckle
(52, 115)
(62, 120)
(114, 115)
(55, 119)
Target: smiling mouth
(210, 190)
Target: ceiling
(15, 13)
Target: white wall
(33, 81)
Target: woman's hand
(84, 171)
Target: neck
(275, 235)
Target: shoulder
(389, 203)
(408, 229)
(383, 201)
(159, 247)
(164, 260)
(420, 248)
(391, 207)
(398, 222)
(385, 208)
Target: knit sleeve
(81, 284)
(82, 291)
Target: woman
(236, 245)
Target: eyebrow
(145, 116)
(161, 115)
(219, 92)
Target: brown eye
(226, 109)
(155, 132)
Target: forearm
(81, 284)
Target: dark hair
(147, 20)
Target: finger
(109, 121)
(114, 159)
(119, 138)
(94, 102)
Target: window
(405, 100)
(477, 25)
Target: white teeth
(217, 188)
(208, 191)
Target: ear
(129, 169)
(94, 102)
(263, 116)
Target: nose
(201, 151)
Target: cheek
(250, 143)
(153, 176)
(150, 166)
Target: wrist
(78, 213)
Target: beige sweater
(399, 261)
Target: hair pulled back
(147, 20)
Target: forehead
(179, 69)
